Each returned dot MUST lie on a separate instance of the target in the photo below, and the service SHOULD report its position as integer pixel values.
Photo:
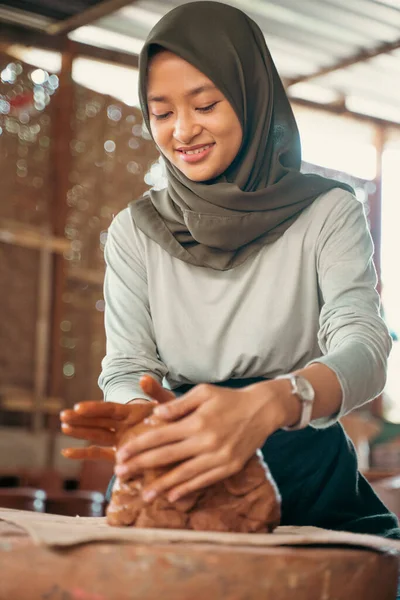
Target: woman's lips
(196, 155)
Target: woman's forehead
(165, 59)
(169, 72)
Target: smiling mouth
(198, 150)
(196, 154)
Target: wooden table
(188, 571)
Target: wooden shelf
(13, 399)
(29, 236)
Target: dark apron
(317, 475)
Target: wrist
(282, 407)
(291, 405)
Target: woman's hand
(212, 431)
(100, 422)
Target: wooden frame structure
(360, 57)
(90, 15)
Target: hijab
(220, 223)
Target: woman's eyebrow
(194, 92)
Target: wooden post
(376, 201)
(42, 337)
(377, 405)
(62, 115)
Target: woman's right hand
(100, 422)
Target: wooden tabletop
(187, 571)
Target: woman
(244, 276)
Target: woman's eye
(205, 109)
(161, 117)
(208, 108)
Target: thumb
(180, 407)
(152, 388)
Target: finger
(152, 388)
(74, 419)
(97, 436)
(149, 440)
(116, 414)
(180, 407)
(65, 415)
(160, 457)
(89, 453)
(112, 410)
(186, 472)
(198, 483)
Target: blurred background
(73, 153)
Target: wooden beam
(339, 109)
(90, 15)
(13, 35)
(107, 55)
(42, 338)
(347, 62)
(10, 36)
(62, 106)
(20, 400)
(28, 236)
(375, 215)
(24, 18)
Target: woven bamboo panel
(83, 341)
(25, 141)
(18, 306)
(110, 158)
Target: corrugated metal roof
(305, 37)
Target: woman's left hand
(211, 431)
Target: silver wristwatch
(303, 389)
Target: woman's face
(192, 122)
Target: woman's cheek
(163, 139)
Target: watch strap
(306, 404)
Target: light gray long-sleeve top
(308, 297)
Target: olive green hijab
(220, 223)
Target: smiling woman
(245, 286)
(193, 125)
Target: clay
(247, 502)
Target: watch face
(305, 388)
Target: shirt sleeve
(130, 347)
(353, 337)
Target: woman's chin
(200, 175)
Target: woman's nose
(185, 130)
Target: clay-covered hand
(209, 434)
(102, 422)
